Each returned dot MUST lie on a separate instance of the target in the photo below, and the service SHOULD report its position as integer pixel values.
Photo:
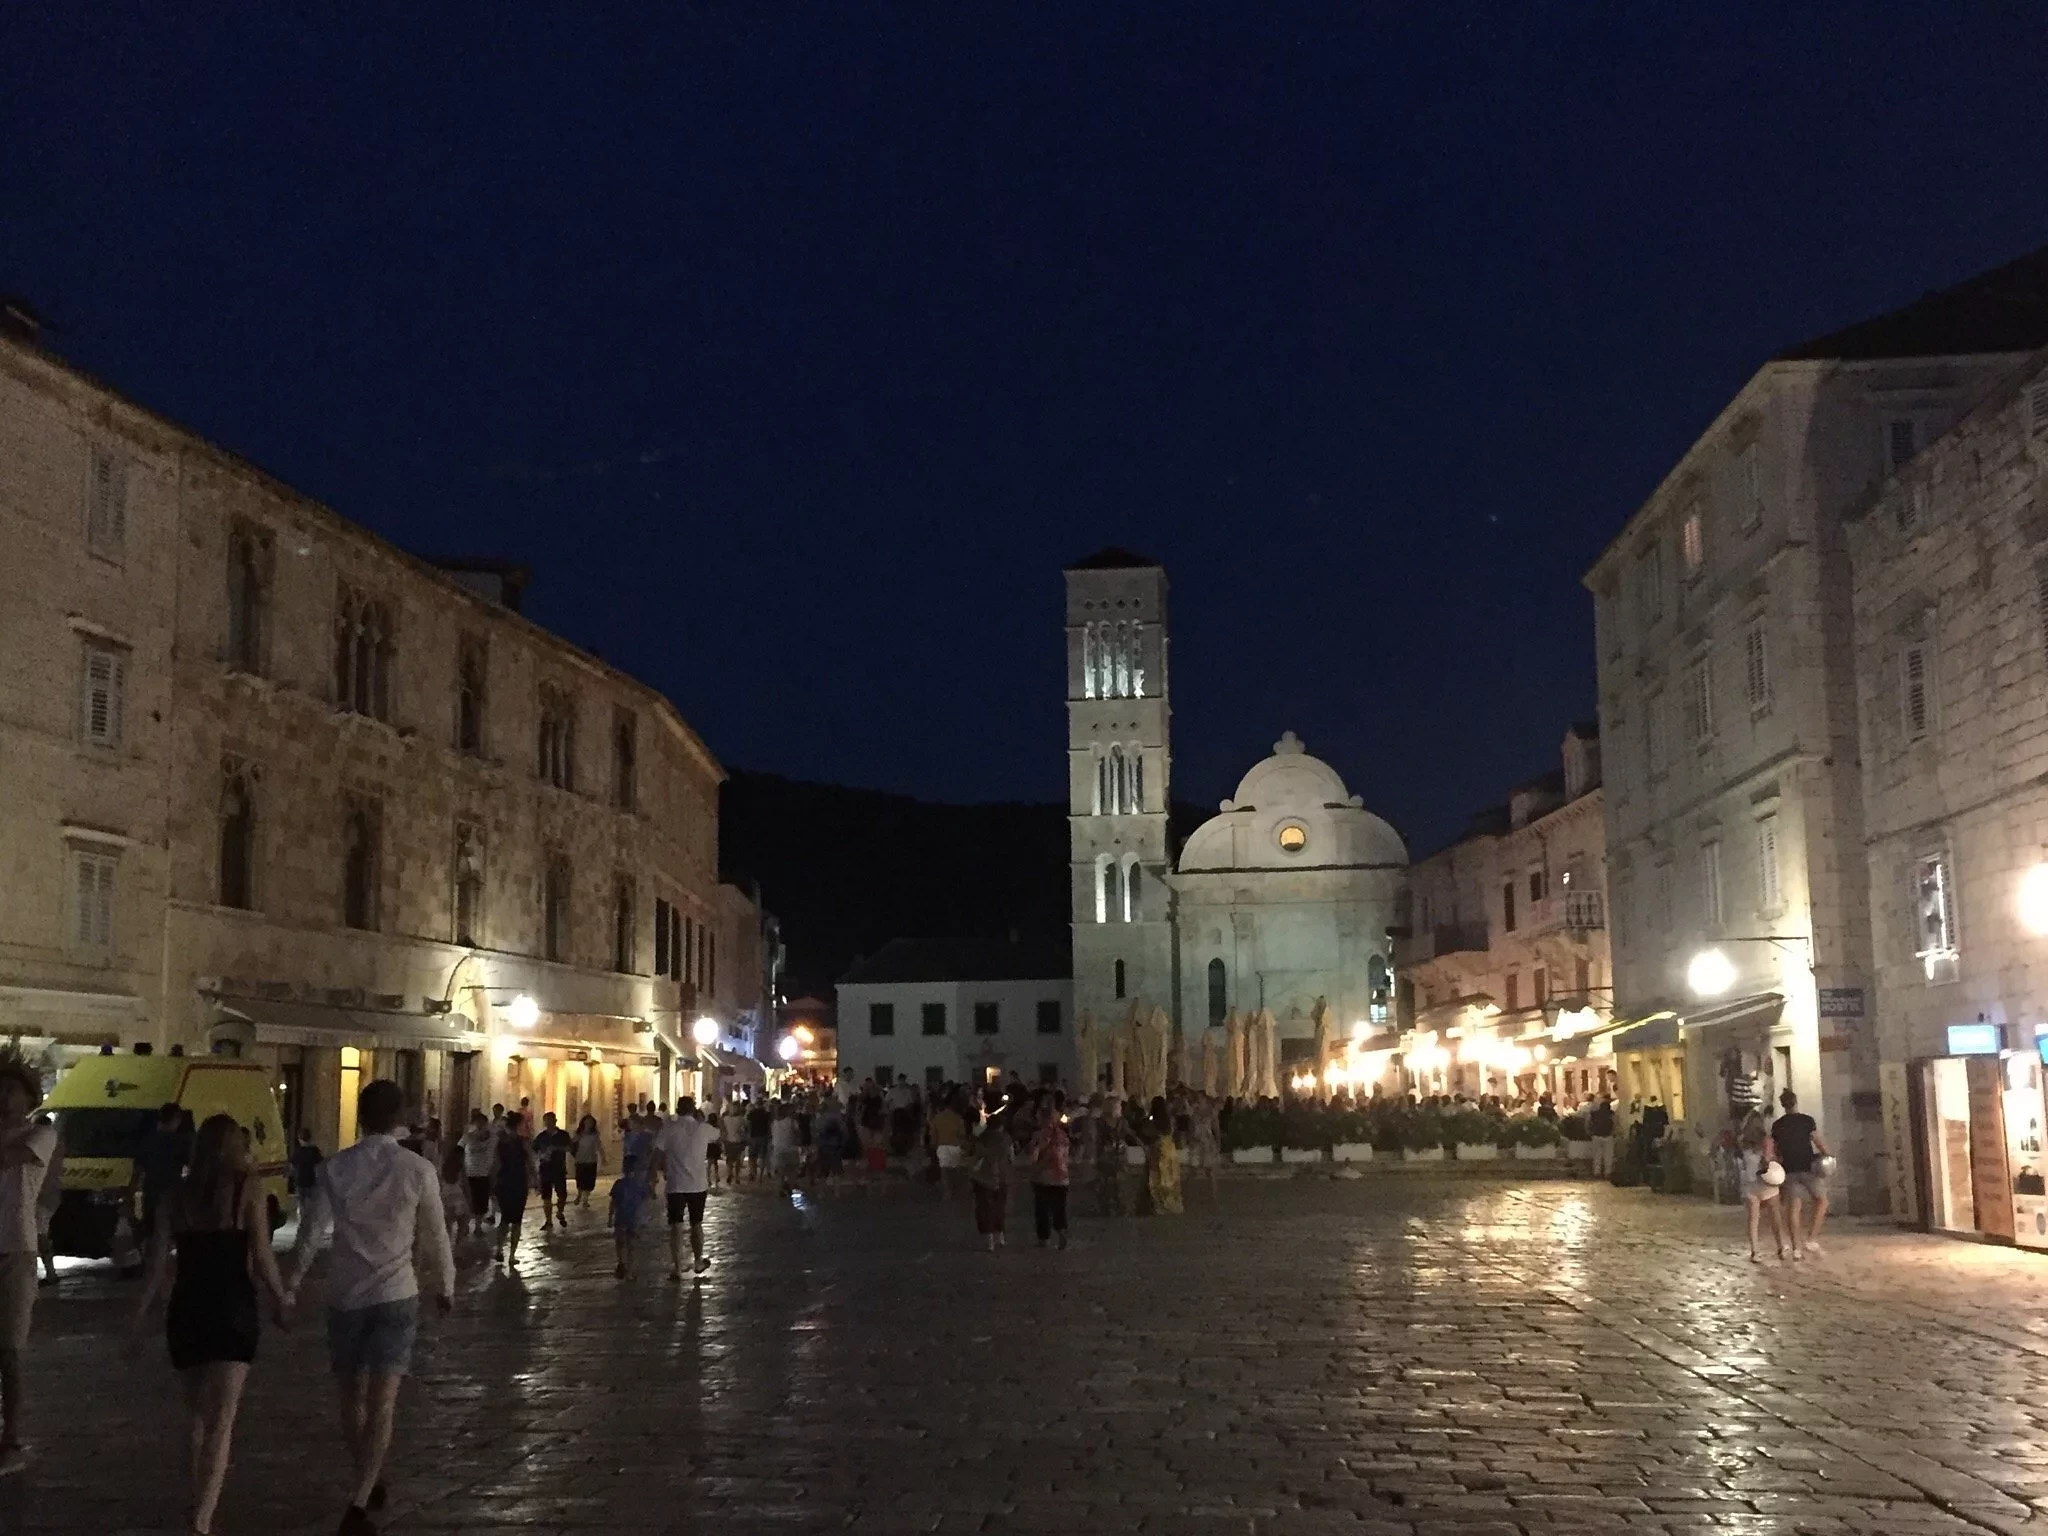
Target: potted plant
(1304, 1132)
(1422, 1137)
(1253, 1130)
(1471, 1132)
(1537, 1140)
(1351, 1137)
(1578, 1138)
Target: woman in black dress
(220, 1232)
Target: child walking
(628, 1211)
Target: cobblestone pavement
(1377, 1357)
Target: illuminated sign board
(1974, 1040)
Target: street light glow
(787, 1047)
(705, 1031)
(1710, 974)
(2034, 899)
(523, 1011)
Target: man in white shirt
(380, 1201)
(26, 1150)
(679, 1152)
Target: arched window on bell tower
(1131, 911)
(1087, 661)
(1119, 978)
(1137, 761)
(1117, 807)
(1219, 993)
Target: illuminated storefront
(1977, 1133)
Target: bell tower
(1119, 776)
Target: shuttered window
(1749, 488)
(1710, 884)
(1769, 895)
(1756, 669)
(2037, 408)
(95, 899)
(1916, 687)
(106, 503)
(100, 707)
(1699, 702)
(1901, 442)
(2041, 602)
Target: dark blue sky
(798, 346)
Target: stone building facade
(1951, 631)
(932, 1011)
(1119, 774)
(1504, 974)
(1728, 715)
(359, 816)
(1283, 903)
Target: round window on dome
(1293, 837)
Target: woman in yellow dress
(1162, 1174)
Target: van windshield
(104, 1132)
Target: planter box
(1252, 1155)
(1478, 1152)
(1134, 1157)
(1426, 1155)
(1536, 1154)
(1579, 1151)
(1301, 1154)
(1352, 1152)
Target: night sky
(798, 346)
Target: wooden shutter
(1914, 670)
(2037, 408)
(106, 674)
(1899, 442)
(1756, 668)
(106, 502)
(1767, 864)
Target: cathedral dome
(1292, 811)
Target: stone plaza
(1388, 1356)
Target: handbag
(1772, 1173)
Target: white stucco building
(1951, 565)
(1740, 911)
(958, 1011)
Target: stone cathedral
(1278, 906)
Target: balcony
(1443, 939)
(1568, 912)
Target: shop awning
(1760, 1008)
(296, 1023)
(1658, 1030)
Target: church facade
(1280, 904)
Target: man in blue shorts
(380, 1202)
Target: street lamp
(523, 1011)
(705, 1031)
(787, 1047)
(1710, 974)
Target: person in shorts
(680, 1149)
(1800, 1151)
(551, 1150)
(27, 1150)
(760, 1127)
(785, 1150)
(381, 1204)
(479, 1160)
(732, 1135)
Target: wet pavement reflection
(1380, 1357)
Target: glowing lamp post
(523, 1012)
(1710, 974)
(788, 1047)
(705, 1031)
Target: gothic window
(557, 758)
(622, 926)
(1108, 897)
(1219, 987)
(1088, 661)
(1104, 801)
(1119, 978)
(469, 883)
(554, 909)
(1137, 762)
(237, 840)
(359, 838)
(1131, 912)
(1123, 661)
(625, 766)
(1117, 785)
(248, 598)
(471, 673)
(363, 651)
